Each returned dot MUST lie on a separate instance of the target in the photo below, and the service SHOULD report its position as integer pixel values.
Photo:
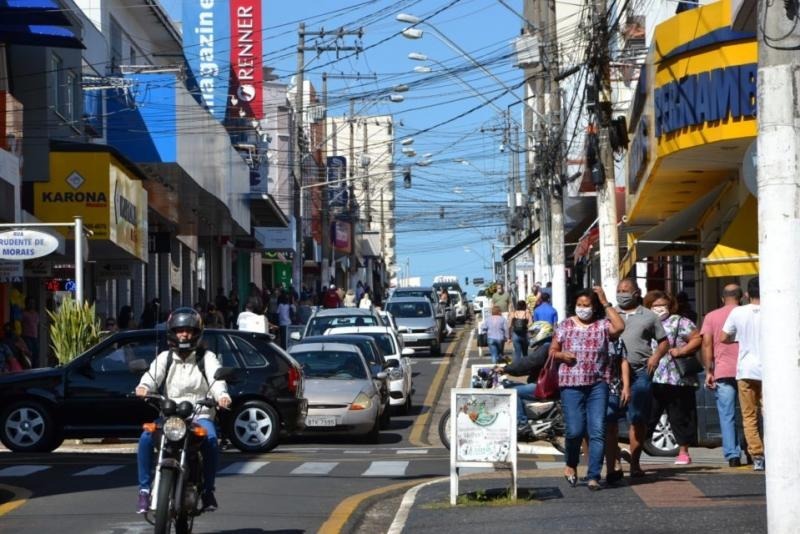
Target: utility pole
(603, 173)
(325, 231)
(351, 172)
(554, 156)
(511, 141)
(779, 253)
(298, 155)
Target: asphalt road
(294, 488)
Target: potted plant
(73, 329)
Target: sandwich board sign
(483, 432)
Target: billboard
(337, 173)
(247, 74)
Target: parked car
(417, 322)
(388, 319)
(325, 318)
(341, 390)
(480, 301)
(372, 353)
(401, 383)
(428, 293)
(90, 396)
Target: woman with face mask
(581, 345)
(672, 392)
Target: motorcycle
(545, 418)
(178, 480)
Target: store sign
(26, 244)
(207, 47)
(718, 95)
(337, 173)
(38, 268)
(638, 153)
(247, 74)
(340, 230)
(11, 271)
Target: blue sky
(467, 175)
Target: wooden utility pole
(779, 253)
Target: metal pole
(326, 221)
(79, 260)
(779, 255)
(298, 156)
(353, 255)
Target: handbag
(547, 383)
(483, 339)
(689, 365)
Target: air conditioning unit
(528, 53)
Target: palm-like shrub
(73, 329)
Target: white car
(400, 380)
(457, 301)
(480, 301)
(388, 320)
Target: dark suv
(90, 396)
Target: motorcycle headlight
(174, 428)
(395, 373)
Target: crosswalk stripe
(243, 468)
(22, 470)
(386, 469)
(314, 468)
(98, 470)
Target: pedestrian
(580, 345)
(30, 328)
(221, 301)
(495, 327)
(331, 298)
(284, 317)
(444, 302)
(350, 299)
(366, 301)
(359, 291)
(17, 346)
(251, 319)
(125, 318)
(501, 299)
(685, 307)
(642, 327)
(673, 392)
(518, 330)
(111, 325)
(304, 310)
(544, 311)
(149, 317)
(744, 325)
(232, 311)
(272, 306)
(213, 317)
(720, 362)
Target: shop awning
(521, 247)
(39, 35)
(665, 234)
(32, 12)
(736, 254)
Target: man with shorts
(642, 327)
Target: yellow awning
(737, 251)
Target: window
(332, 365)
(68, 106)
(54, 81)
(251, 356)
(219, 345)
(117, 356)
(116, 46)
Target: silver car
(416, 322)
(341, 390)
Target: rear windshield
(318, 325)
(482, 292)
(412, 293)
(331, 364)
(409, 309)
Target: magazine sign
(483, 432)
(16, 245)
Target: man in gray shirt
(642, 329)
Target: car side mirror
(408, 351)
(295, 336)
(138, 366)
(392, 364)
(228, 374)
(382, 375)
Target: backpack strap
(162, 388)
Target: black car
(90, 397)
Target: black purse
(688, 366)
(483, 340)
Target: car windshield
(335, 365)
(384, 341)
(482, 292)
(409, 309)
(319, 325)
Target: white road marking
(355, 451)
(412, 451)
(315, 468)
(401, 517)
(464, 360)
(386, 469)
(98, 470)
(22, 470)
(243, 468)
(439, 362)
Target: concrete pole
(298, 156)
(606, 193)
(325, 218)
(79, 260)
(351, 166)
(513, 180)
(779, 255)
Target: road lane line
(98, 471)
(355, 451)
(242, 468)
(386, 469)
(412, 451)
(314, 468)
(399, 522)
(465, 359)
(22, 470)
(19, 496)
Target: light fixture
(416, 56)
(422, 69)
(396, 98)
(407, 141)
(407, 18)
(400, 88)
(412, 33)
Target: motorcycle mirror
(138, 366)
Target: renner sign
(26, 244)
(246, 59)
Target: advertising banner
(340, 232)
(337, 188)
(247, 74)
(207, 47)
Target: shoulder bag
(688, 365)
(547, 383)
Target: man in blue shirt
(545, 311)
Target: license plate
(321, 420)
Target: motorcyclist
(184, 381)
(540, 333)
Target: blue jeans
(641, 401)
(727, 393)
(496, 349)
(520, 345)
(524, 393)
(144, 457)
(585, 413)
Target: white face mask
(584, 314)
(661, 311)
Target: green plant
(73, 329)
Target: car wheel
(436, 350)
(374, 435)
(386, 417)
(406, 408)
(28, 426)
(254, 427)
(662, 442)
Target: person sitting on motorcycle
(184, 381)
(530, 365)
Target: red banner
(247, 74)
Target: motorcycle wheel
(444, 429)
(166, 490)
(183, 524)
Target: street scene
(399, 266)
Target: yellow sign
(97, 187)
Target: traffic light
(407, 178)
(466, 280)
(441, 212)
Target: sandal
(572, 479)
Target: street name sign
(26, 244)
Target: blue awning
(47, 12)
(39, 35)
